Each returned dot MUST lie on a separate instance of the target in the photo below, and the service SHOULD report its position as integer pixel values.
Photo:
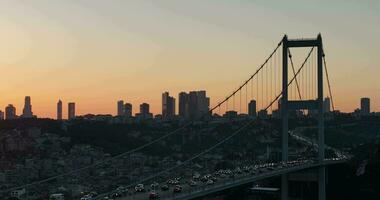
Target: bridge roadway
(203, 189)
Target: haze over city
(95, 53)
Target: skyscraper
(71, 112)
(10, 112)
(144, 112)
(2, 115)
(27, 111)
(326, 105)
(252, 108)
(168, 106)
(120, 108)
(193, 105)
(59, 110)
(365, 107)
(128, 110)
(183, 99)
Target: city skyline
(125, 109)
(88, 68)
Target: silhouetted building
(59, 110)
(144, 112)
(365, 108)
(327, 105)
(2, 115)
(252, 109)
(263, 114)
(230, 114)
(10, 112)
(27, 111)
(183, 99)
(120, 108)
(71, 111)
(194, 105)
(168, 106)
(128, 110)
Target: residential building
(71, 110)
(252, 108)
(327, 105)
(194, 105)
(128, 110)
(10, 112)
(168, 106)
(365, 107)
(27, 111)
(120, 108)
(59, 110)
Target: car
(196, 176)
(164, 187)
(177, 189)
(139, 188)
(153, 195)
(154, 185)
(192, 183)
(210, 182)
(116, 195)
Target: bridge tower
(314, 104)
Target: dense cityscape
(45, 148)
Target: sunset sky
(95, 52)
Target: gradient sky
(95, 52)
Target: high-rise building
(71, 111)
(59, 110)
(252, 108)
(144, 108)
(27, 111)
(10, 112)
(365, 107)
(194, 105)
(1, 115)
(120, 108)
(128, 110)
(144, 112)
(183, 99)
(168, 106)
(326, 105)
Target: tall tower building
(144, 108)
(120, 108)
(193, 105)
(71, 111)
(2, 117)
(128, 110)
(144, 112)
(183, 103)
(59, 110)
(365, 107)
(27, 111)
(252, 108)
(326, 105)
(168, 106)
(10, 112)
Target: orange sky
(96, 52)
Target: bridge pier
(321, 183)
(284, 187)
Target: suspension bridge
(278, 90)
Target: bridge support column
(321, 183)
(284, 114)
(321, 125)
(284, 187)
